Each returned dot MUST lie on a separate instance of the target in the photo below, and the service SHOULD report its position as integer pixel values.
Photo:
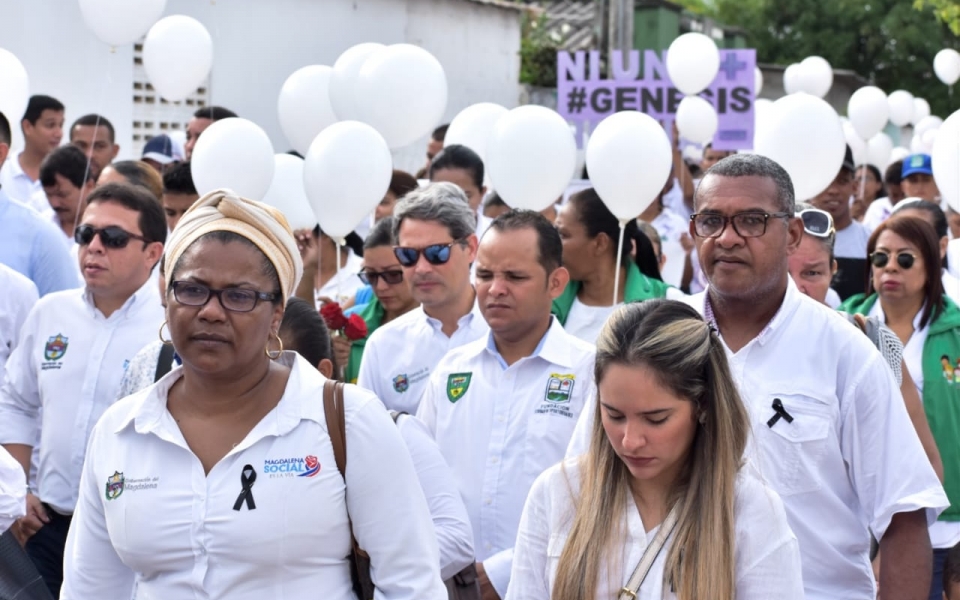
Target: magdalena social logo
(307, 466)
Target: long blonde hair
(670, 338)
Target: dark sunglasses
(111, 237)
(880, 259)
(372, 277)
(436, 254)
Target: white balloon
(816, 76)
(857, 146)
(928, 138)
(531, 156)
(693, 62)
(901, 107)
(916, 146)
(930, 122)
(757, 81)
(945, 158)
(898, 153)
(921, 110)
(629, 158)
(233, 153)
(14, 88)
(869, 111)
(946, 64)
(343, 93)
(286, 192)
(473, 126)
(879, 148)
(304, 105)
(403, 93)
(696, 120)
(791, 79)
(120, 22)
(346, 173)
(177, 56)
(805, 137)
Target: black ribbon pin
(779, 412)
(247, 477)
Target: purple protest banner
(585, 99)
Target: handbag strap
(630, 590)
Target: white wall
(258, 43)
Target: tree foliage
(948, 11)
(889, 42)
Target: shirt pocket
(793, 451)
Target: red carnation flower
(333, 316)
(355, 328)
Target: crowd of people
(760, 398)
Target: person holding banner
(590, 234)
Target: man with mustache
(67, 183)
(436, 244)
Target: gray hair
(444, 203)
(827, 242)
(754, 165)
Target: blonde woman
(663, 470)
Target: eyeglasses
(191, 293)
(372, 277)
(880, 259)
(746, 224)
(816, 222)
(436, 254)
(111, 236)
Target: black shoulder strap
(165, 362)
(396, 415)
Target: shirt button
(494, 460)
(488, 501)
(501, 420)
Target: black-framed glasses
(816, 222)
(881, 259)
(746, 224)
(392, 277)
(191, 293)
(111, 236)
(436, 254)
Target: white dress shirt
(13, 490)
(18, 297)
(400, 355)
(849, 461)
(500, 426)
(169, 530)
(69, 363)
(18, 185)
(767, 558)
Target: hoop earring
(160, 333)
(275, 354)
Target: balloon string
(616, 268)
(863, 182)
(93, 143)
(339, 268)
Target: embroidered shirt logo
(56, 347)
(951, 369)
(307, 466)
(559, 387)
(401, 383)
(114, 486)
(457, 385)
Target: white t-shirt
(852, 241)
(671, 227)
(344, 285)
(767, 555)
(878, 212)
(585, 322)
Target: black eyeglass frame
(731, 220)
(372, 277)
(117, 243)
(901, 256)
(211, 292)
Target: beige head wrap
(265, 226)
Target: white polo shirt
(69, 364)
(499, 427)
(13, 490)
(767, 559)
(18, 297)
(18, 185)
(149, 518)
(400, 355)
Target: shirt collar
(463, 322)
(553, 347)
(149, 293)
(791, 300)
(877, 311)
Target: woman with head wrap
(219, 480)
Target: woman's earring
(166, 342)
(274, 354)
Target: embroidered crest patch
(457, 385)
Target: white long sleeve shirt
(149, 518)
(499, 427)
(767, 558)
(13, 490)
(18, 297)
(69, 363)
(399, 356)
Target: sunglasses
(372, 277)
(111, 237)
(880, 259)
(436, 254)
(816, 222)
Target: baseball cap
(848, 159)
(916, 163)
(161, 149)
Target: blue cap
(916, 163)
(161, 149)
